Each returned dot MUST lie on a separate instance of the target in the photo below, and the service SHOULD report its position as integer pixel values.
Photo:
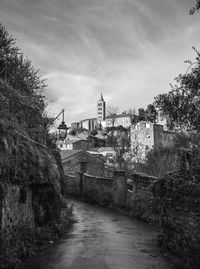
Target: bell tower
(101, 109)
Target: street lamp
(62, 128)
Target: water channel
(102, 239)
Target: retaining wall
(72, 184)
(98, 189)
(133, 192)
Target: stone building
(149, 135)
(77, 144)
(95, 142)
(76, 125)
(73, 159)
(116, 120)
(88, 124)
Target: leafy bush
(167, 159)
(159, 162)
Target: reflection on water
(101, 239)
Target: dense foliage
(22, 102)
(159, 162)
(181, 105)
(196, 7)
(177, 195)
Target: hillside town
(117, 188)
(101, 136)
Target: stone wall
(26, 164)
(103, 190)
(98, 189)
(132, 192)
(72, 185)
(37, 204)
(16, 207)
(140, 198)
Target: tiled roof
(82, 155)
(68, 153)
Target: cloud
(128, 50)
(74, 93)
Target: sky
(128, 50)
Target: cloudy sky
(130, 50)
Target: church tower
(101, 109)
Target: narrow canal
(102, 239)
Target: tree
(120, 144)
(141, 114)
(131, 111)
(72, 132)
(151, 113)
(111, 141)
(182, 103)
(93, 132)
(195, 8)
(133, 116)
(21, 89)
(121, 151)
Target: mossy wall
(26, 164)
(17, 207)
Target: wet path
(102, 239)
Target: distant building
(102, 121)
(149, 135)
(96, 142)
(89, 124)
(81, 142)
(116, 120)
(61, 145)
(101, 110)
(77, 145)
(76, 125)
